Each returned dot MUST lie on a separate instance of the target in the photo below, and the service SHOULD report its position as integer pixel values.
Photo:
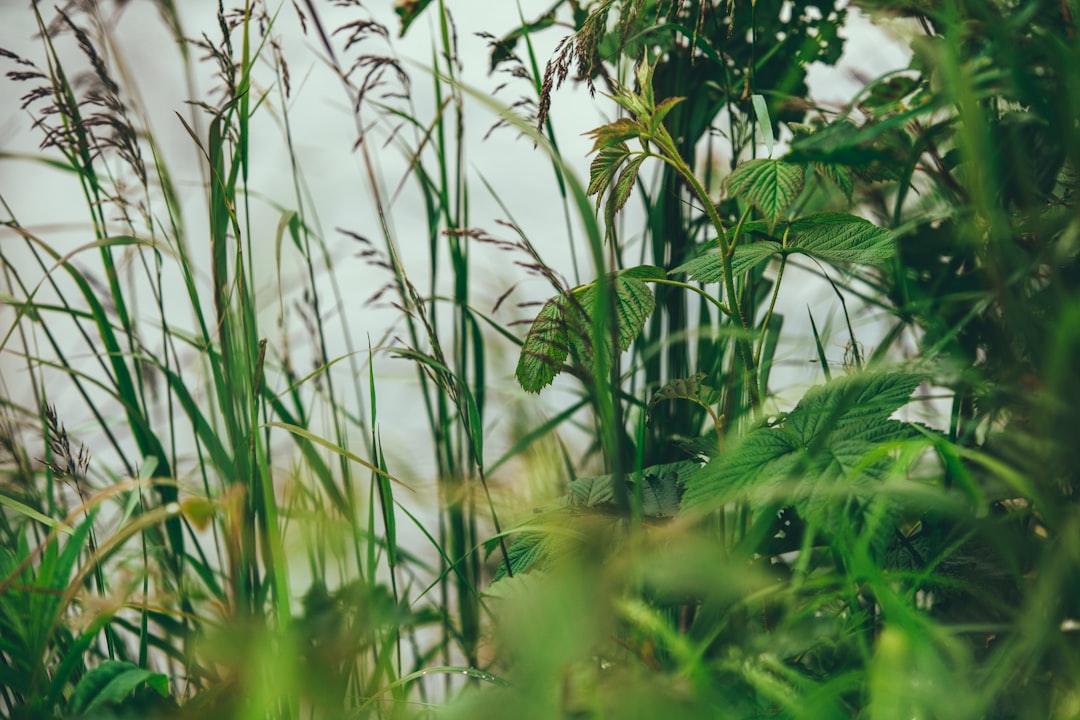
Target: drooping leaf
(603, 168)
(840, 238)
(769, 185)
(545, 348)
(633, 301)
(565, 325)
(838, 175)
(624, 185)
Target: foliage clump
(896, 536)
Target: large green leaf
(841, 238)
(835, 432)
(769, 185)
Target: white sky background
(323, 128)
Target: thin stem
(671, 156)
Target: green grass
(210, 508)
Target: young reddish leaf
(662, 110)
(615, 133)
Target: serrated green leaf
(526, 550)
(833, 433)
(838, 176)
(644, 272)
(838, 238)
(709, 267)
(112, 682)
(545, 348)
(634, 302)
(625, 185)
(603, 168)
(661, 489)
(769, 185)
(763, 453)
(850, 407)
(590, 492)
(565, 325)
(634, 104)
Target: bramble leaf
(769, 185)
(565, 324)
(625, 185)
(604, 166)
(551, 533)
(836, 432)
(709, 267)
(836, 237)
(545, 348)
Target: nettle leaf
(604, 166)
(769, 185)
(834, 434)
(709, 267)
(565, 324)
(841, 238)
(634, 302)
